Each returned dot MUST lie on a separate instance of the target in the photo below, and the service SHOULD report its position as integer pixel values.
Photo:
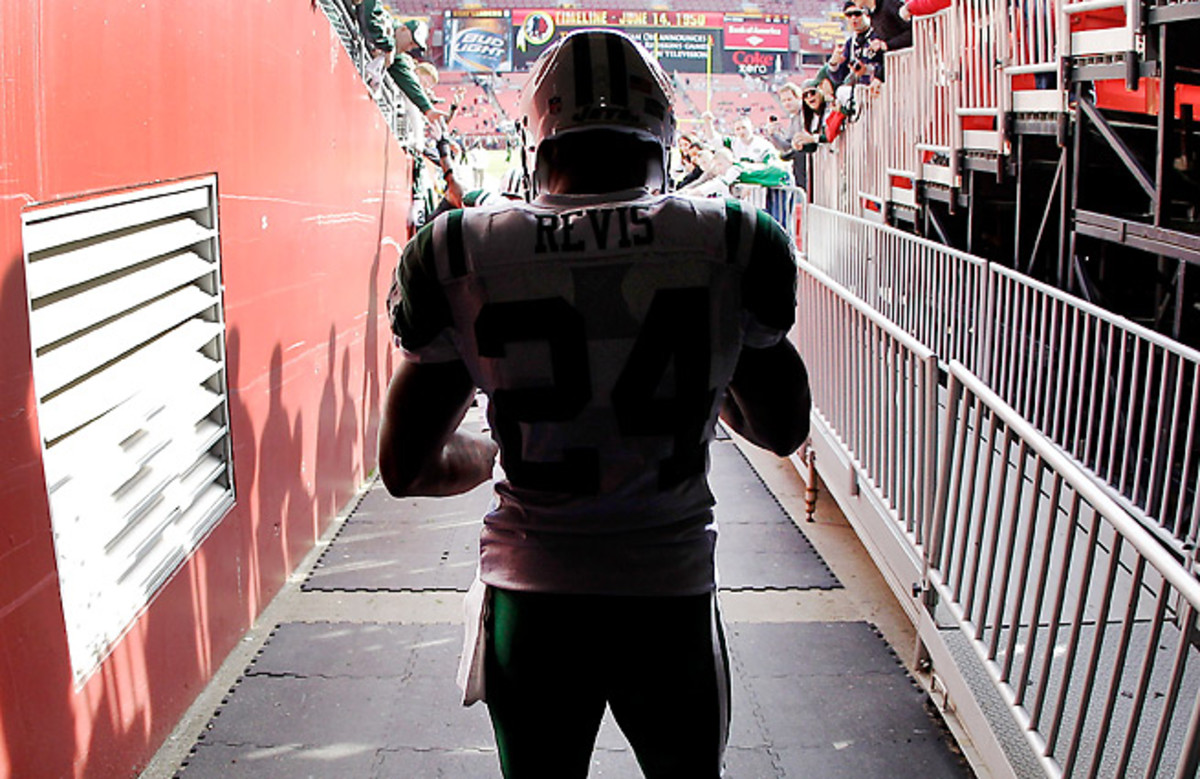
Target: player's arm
(421, 449)
(768, 400)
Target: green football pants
(555, 661)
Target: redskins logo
(537, 30)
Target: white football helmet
(512, 185)
(597, 79)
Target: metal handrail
(1068, 602)
(878, 394)
(1087, 378)
(1081, 619)
(1114, 40)
(937, 100)
(1123, 400)
(932, 291)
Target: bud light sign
(479, 45)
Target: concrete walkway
(350, 671)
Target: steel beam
(1114, 141)
(1175, 12)
(1138, 235)
(1037, 242)
(1106, 71)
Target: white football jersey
(604, 330)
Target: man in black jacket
(893, 31)
(859, 61)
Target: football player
(609, 324)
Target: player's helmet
(593, 80)
(513, 184)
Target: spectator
(893, 32)
(747, 144)
(427, 77)
(376, 26)
(857, 61)
(821, 119)
(709, 133)
(719, 173)
(780, 134)
(412, 36)
(688, 149)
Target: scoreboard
(501, 40)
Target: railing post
(931, 553)
(929, 468)
(986, 330)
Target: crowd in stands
(763, 137)
(712, 161)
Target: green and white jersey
(604, 330)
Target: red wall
(313, 201)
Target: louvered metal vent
(128, 336)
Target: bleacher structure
(1022, 456)
(998, 102)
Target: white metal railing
(934, 94)
(825, 179)
(872, 130)
(1036, 42)
(934, 293)
(877, 393)
(1122, 400)
(786, 205)
(1083, 620)
(1103, 40)
(976, 36)
(903, 121)
(981, 37)
(850, 167)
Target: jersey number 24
(675, 330)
